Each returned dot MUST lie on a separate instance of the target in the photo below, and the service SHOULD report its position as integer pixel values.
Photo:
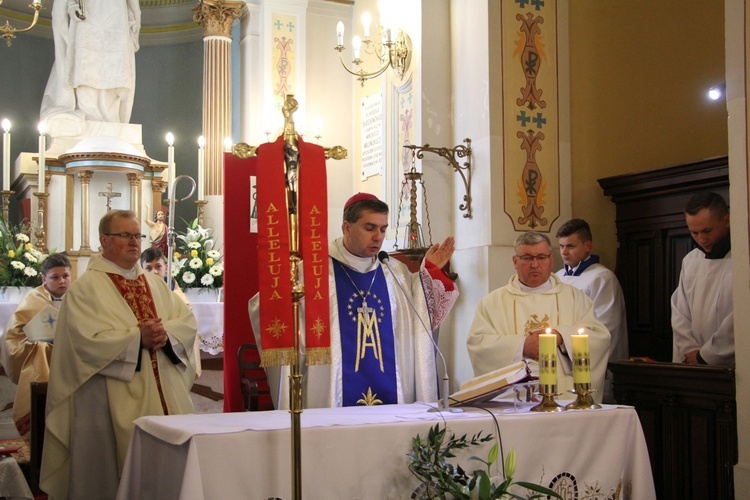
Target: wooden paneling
(688, 415)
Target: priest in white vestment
(509, 320)
(26, 360)
(123, 349)
(702, 309)
(583, 270)
(408, 371)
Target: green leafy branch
(441, 479)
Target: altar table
(361, 452)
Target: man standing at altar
(583, 270)
(123, 349)
(702, 309)
(509, 320)
(381, 319)
(26, 361)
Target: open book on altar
(489, 385)
(41, 328)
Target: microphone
(384, 258)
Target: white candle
(42, 148)
(356, 44)
(201, 168)
(170, 164)
(340, 33)
(6, 154)
(366, 21)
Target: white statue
(93, 76)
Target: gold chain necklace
(356, 288)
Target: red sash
(274, 269)
(137, 294)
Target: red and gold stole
(137, 294)
(274, 269)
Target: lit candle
(366, 21)
(548, 358)
(170, 164)
(356, 44)
(581, 358)
(6, 154)
(340, 33)
(42, 148)
(201, 167)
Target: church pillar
(217, 18)
(85, 178)
(135, 194)
(157, 191)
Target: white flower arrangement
(196, 264)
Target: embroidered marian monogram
(368, 351)
(368, 333)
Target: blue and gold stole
(367, 346)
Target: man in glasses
(509, 320)
(123, 349)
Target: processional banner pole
(291, 170)
(286, 348)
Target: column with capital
(217, 18)
(135, 194)
(85, 178)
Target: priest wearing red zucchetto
(381, 352)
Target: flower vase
(14, 293)
(203, 294)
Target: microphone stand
(384, 258)
(170, 224)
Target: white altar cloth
(210, 319)
(13, 484)
(361, 452)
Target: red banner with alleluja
(313, 221)
(274, 268)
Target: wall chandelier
(9, 32)
(390, 53)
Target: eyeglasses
(128, 236)
(528, 259)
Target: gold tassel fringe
(319, 356)
(277, 357)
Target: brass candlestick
(41, 236)
(6, 201)
(548, 403)
(583, 401)
(201, 206)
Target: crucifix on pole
(109, 194)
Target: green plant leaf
(538, 488)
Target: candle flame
(6, 125)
